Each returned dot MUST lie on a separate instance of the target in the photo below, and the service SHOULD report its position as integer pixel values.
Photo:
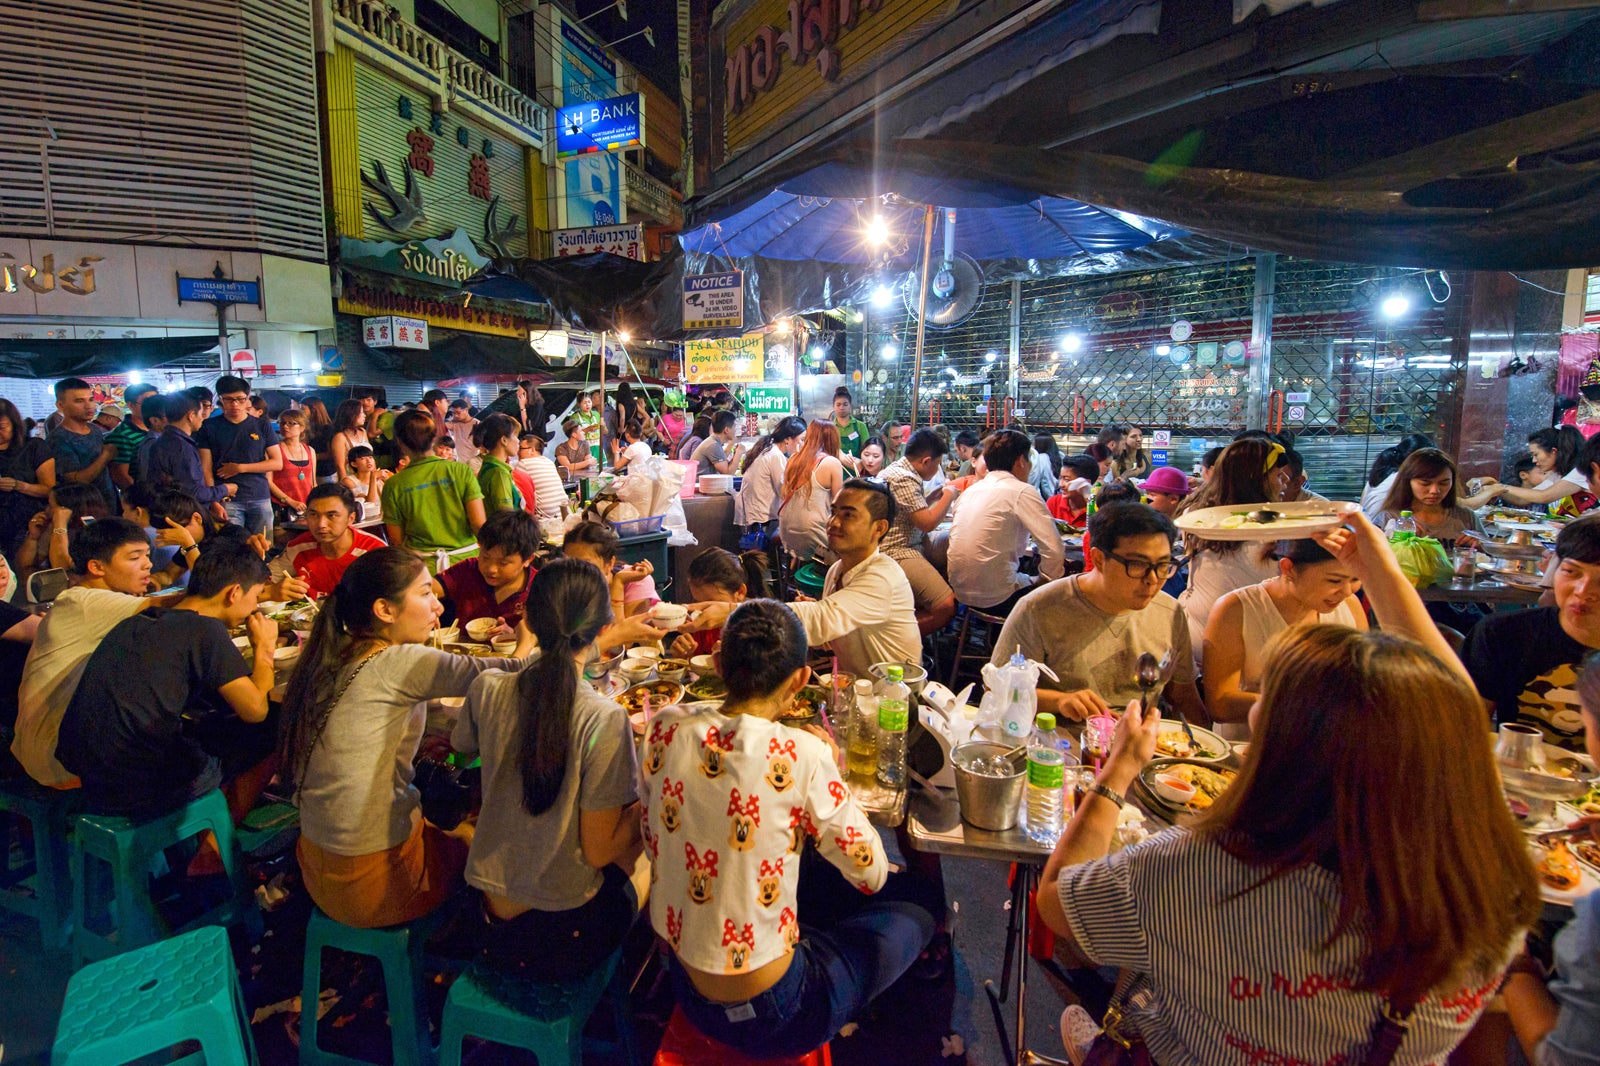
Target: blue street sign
(215, 290)
(599, 126)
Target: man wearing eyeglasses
(1091, 628)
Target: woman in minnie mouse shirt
(733, 798)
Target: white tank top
(1262, 622)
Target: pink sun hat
(1167, 479)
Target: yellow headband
(1273, 455)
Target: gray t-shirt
(710, 451)
(357, 797)
(1088, 648)
(538, 861)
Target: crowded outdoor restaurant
(1301, 779)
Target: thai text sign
(729, 360)
(221, 291)
(395, 331)
(714, 301)
(769, 400)
(626, 240)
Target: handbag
(1113, 1047)
(754, 539)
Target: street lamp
(1072, 342)
(1395, 305)
(877, 231)
(620, 5)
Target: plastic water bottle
(1046, 776)
(1404, 524)
(894, 717)
(861, 751)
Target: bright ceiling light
(1396, 305)
(1163, 349)
(888, 351)
(781, 326)
(882, 297)
(877, 230)
(135, 378)
(624, 336)
(991, 356)
(1072, 342)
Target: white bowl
(480, 628)
(447, 635)
(645, 651)
(636, 670)
(1174, 789)
(704, 665)
(669, 615)
(504, 647)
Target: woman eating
(1249, 472)
(812, 478)
(1311, 588)
(633, 590)
(1425, 485)
(352, 722)
(559, 828)
(1363, 863)
(733, 797)
(872, 457)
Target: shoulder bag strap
(333, 705)
(1390, 1032)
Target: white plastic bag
(1011, 697)
(669, 502)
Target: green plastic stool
(810, 578)
(38, 884)
(546, 1019)
(157, 997)
(131, 849)
(398, 949)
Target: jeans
(835, 971)
(254, 515)
(555, 947)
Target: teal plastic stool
(810, 579)
(38, 884)
(130, 849)
(546, 1019)
(157, 997)
(398, 949)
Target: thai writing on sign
(729, 360)
(814, 27)
(626, 241)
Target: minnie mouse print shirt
(731, 802)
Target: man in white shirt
(549, 498)
(460, 425)
(992, 524)
(111, 564)
(637, 451)
(867, 613)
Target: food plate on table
(709, 687)
(1165, 780)
(1265, 521)
(661, 693)
(1563, 879)
(1172, 742)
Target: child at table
(495, 584)
(719, 576)
(633, 590)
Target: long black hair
(1388, 461)
(568, 604)
(787, 429)
(1564, 443)
(342, 633)
(719, 567)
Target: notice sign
(730, 360)
(599, 126)
(768, 400)
(714, 301)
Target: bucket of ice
(989, 782)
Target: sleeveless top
(803, 520)
(1262, 622)
(1213, 574)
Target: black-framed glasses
(1138, 569)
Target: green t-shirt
(592, 430)
(852, 436)
(428, 501)
(499, 488)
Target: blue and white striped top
(1243, 980)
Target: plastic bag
(1011, 697)
(1422, 560)
(670, 503)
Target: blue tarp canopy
(826, 215)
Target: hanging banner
(729, 360)
(714, 301)
(625, 240)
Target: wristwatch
(1097, 789)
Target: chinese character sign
(626, 241)
(478, 178)
(421, 157)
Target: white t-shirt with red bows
(731, 802)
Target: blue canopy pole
(922, 312)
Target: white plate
(1588, 883)
(1204, 738)
(1298, 521)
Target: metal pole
(922, 311)
(1260, 373)
(604, 335)
(1014, 359)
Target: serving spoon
(1152, 673)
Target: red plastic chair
(684, 1045)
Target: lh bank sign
(599, 126)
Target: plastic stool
(144, 1001)
(810, 578)
(130, 849)
(38, 886)
(546, 1019)
(991, 623)
(684, 1045)
(398, 949)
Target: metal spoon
(1152, 673)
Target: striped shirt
(1239, 975)
(126, 438)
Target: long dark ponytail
(568, 604)
(724, 570)
(787, 429)
(341, 634)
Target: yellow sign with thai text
(730, 360)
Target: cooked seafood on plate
(661, 693)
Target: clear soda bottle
(1041, 814)
(861, 749)
(894, 717)
(1404, 524)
